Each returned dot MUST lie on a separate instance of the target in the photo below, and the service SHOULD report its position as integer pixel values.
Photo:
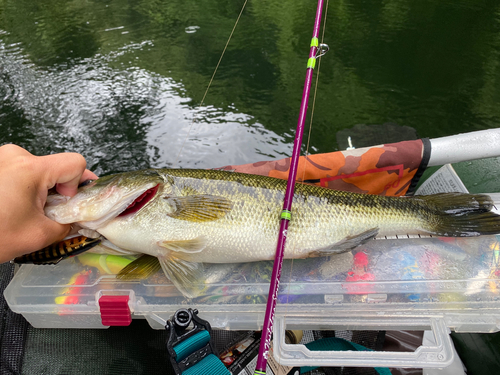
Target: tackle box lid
(453, 278)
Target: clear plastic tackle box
(390, 284)
(406, 283)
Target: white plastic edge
(439, 356)
(467, 146)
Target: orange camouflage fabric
(389, 169)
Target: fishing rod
(315, 51)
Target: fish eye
(85, 183)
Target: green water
(121, 81)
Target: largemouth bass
(189, 217)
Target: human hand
(24, 183)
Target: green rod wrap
(311, 63)
(287, 215)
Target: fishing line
(315, 91)
(307, 151)
(211, 80)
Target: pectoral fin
(186, 276)
(199, 207)
(141, 268)
(346, 244)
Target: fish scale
(320, 217)
(212, 216)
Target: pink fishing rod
(286, 214)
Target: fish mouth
(140, 201)
(96, 209)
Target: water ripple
(125, 119)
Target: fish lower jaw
(134, 243)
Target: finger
(64, 171)
(88, 175)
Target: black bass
(189, 217)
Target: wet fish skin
(208, 216)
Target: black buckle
(177, 333)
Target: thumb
(64, 170)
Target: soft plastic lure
(56, 252)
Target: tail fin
(462, 215)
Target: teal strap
(210, 365)
(190, 345)
(336, 343)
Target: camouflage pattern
(383, 170)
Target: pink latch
(115, 310)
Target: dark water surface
(122, 80)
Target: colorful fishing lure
(56, 252)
